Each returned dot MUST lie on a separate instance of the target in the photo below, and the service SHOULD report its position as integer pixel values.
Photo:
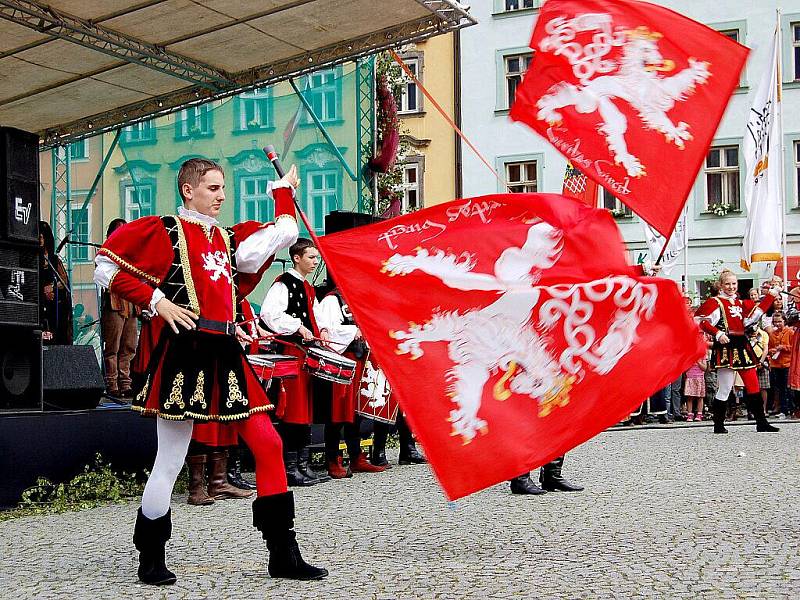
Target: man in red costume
(189, 274)
(726, 318)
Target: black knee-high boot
(550, 478)
(381, 432)
(150, 538)
(718, 409)
(756, 407)
(273, 516)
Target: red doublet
(345, 397)
(729, 315)
(204, 254)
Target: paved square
(668, 513)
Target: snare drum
(375, 399)
(263, 367)
(285, 367)
(329, 365)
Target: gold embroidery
(199, 397)
(123, 263)
(234, 393)
(187, 270)
(143, 394)
(227, 239)
(176, 395)
(736, 360)
(208, 230)
(201, 416)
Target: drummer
(291, 310)
(345, 337)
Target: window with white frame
(796, 50)
(254, 201)
(322, 95)
(143, 131)
(410, 187)
(730, 33)
(195, 120)
(410, 100)
(255, 111)
(612, 203)
(521, 176)
(323, 195)
(512, 5)
(138, 201)
(722, 179)
(515, 67)
(80, 220)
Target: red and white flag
(579, 186)
(632, 94)
(510, 327)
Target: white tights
(725, 379)
(173, 444)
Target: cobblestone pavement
(668, 513)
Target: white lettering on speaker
(15, 287)
(22, 213)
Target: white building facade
(495, 53)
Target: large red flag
(511, 328)
(632, 94)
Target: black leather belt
(226, 327)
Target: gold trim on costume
(123, 263)
(188, 278)
(198, 397)
(208, 230)
(279, 217)
(201, 416)
(234, 393)
(226, 237)
(140, 397)
(176, 395)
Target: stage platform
(57, 445)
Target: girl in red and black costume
(189, 273)
(726, 318)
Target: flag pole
(779, 71)
(686, 248)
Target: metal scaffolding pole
(61, 199)
(365, 121)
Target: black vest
(298, 299)
(174, 284)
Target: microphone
(280, 260)
(63, 243)
(272, 155)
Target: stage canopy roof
(76, 67)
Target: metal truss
(348, 50)
(49, 21)
(450, 11)
(61, 198)
(365, 124)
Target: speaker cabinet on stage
(72, 378)
(19, 177)
(19, 284)
(340, 220)
(20, 368)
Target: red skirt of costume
(344, 398)
(295, 400)
(199, 375)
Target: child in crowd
(695, 390)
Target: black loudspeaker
(72, 378)
(19, 284)
(20, 368)
(340, 220)
(19, 176)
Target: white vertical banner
(763, 185)
(672, 252)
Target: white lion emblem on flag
(637, 79)
(509, 336)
